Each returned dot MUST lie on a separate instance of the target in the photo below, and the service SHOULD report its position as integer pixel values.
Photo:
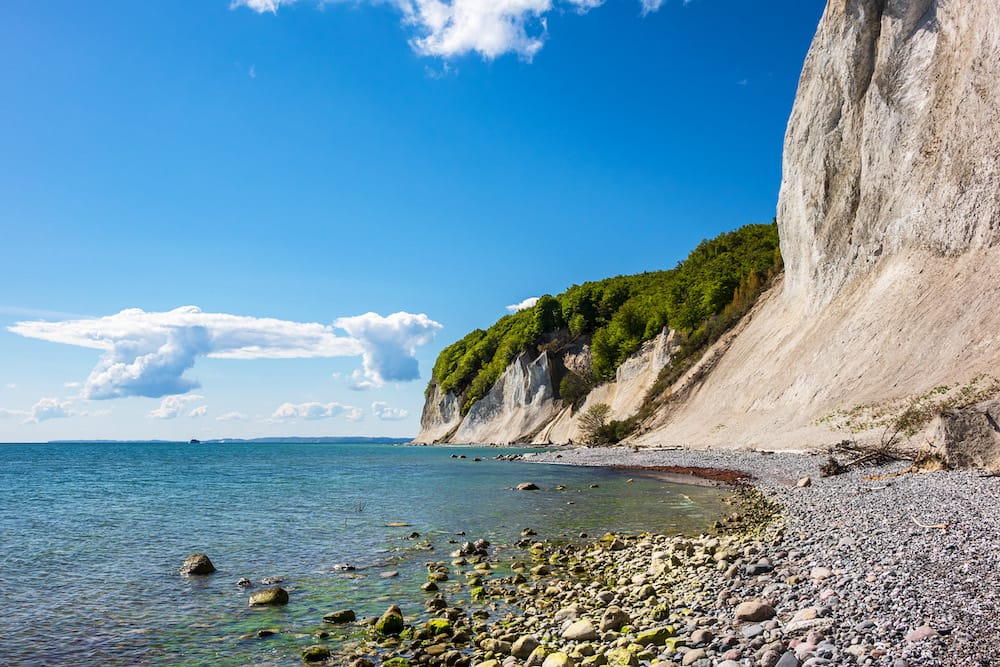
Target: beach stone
(275, 595)
(197, 564)
(804, 482)
(754, 610)
(390, 623)
(315, 653)
(702, 636)
(488, 663)
(527, 486)
(429, 587)
(558, 659)
(789, 659)
(807, 614)
(693, 656)
(614, 618)
(922, 633)
(341, 616)
(751, 631)
(582, 630)
(769, 658)
(524, 646)
(820, 573)
(728, 663)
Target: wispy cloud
(314, 411)
(172, 407)
(148, 354)
(383, 411)
(490, 28)
(232, 417)
(524, 305)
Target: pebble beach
(875, 566)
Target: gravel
(861, 572)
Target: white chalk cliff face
(522, 407)
(893, 142)
(889, 218)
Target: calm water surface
(92, 535)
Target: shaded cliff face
(893, 140)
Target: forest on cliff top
(700, 298)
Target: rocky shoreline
(865, 568)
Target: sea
(92, 537)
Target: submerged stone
(276, 595)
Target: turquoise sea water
(92, 536)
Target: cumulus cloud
(199, 411)
(44, 410)
(490, 28)
(314, 410)
(232, 417)
(383, 411)
(171, 407)
(524, 305)
(389, 344)
(148, 354)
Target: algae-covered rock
(558, 659)
(655, 637)
(315, 653)
(396, 662)
(440, 626)
(197, 564)
(273, 596)
(390, 623)
(622, 657)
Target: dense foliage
(720, 276)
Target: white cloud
(171, 407)
(262, 6)
(490, 28)
(199, 411)
(524, 305)
(382, 410)
(46, 409)
(232, 417)
(389, 344)
(11, 386)
(147, 354)
(313, 411)
(71, 385)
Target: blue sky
(267, 217)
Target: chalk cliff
(889, 219)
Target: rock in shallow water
(197, 564)
(276, 595)
(315, 653)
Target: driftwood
(859, 455)
(943, 527)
